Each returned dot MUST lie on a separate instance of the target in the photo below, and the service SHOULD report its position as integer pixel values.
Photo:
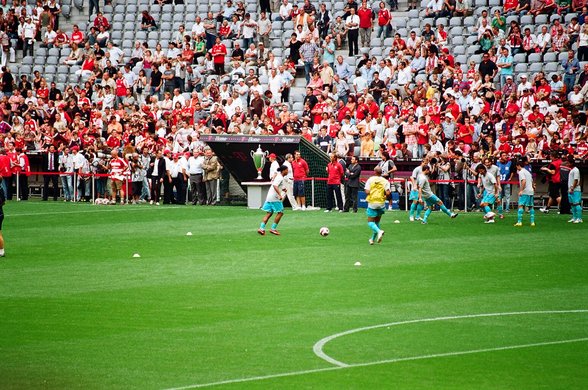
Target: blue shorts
(432, 200)
(488, 198)
(273, 207)
(298, 189)
(373, 213)
(414, 195)
(575, 197)
(526, 200)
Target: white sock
(2, 252)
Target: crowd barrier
(407, 185)
(404, 182)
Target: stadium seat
(469, 21)
(520, 68)
(554, 17)
(49, 69)
(459, 50)
(456, 31)
(541, 19)
(512, 18)
(535, 67)
(520, 57)
(472, 49)
(569, 17)
(116, 36)
(534, 57)
(551, 67)
(527, 19)
(25, 70)
(455, 21)
(549, 57)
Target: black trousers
(352, 36)
(180, 185)
(23, 186)
(168, 190)
(334, 191)
(351, 198)
(155, 189)
(54, 180)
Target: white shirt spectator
(116, 54)
(198, 29)
(285, 10)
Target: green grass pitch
(226, 306)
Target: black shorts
(137, 187)
(298, 189)
(1, 220)
(554, 190)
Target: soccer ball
(324, 231)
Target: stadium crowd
(143, 113)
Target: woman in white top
(583, 44)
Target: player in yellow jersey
(377, 190)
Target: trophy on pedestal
(259, 157)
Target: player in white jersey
(427, 196)
(416, 207)
(574, 191)
(490, 192)
(492, 168)
(273, 202)
(526, 192)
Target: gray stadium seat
(534, 57)
(535, 67)
(520, 57)
(551, 67)
(552, 18)
(520, 68)
(550, 57)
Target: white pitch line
(340, 365)
(318, 347)
(91, 211)
(388, 361)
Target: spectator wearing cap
(274, 165)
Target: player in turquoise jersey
(526, 192)
(427, 196)
(490, 192)
(574, 191)
(416, 207)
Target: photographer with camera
(552, 173)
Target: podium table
(256, 193)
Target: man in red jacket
(335, 173)
(365, 23)
(219, 51)
(300, 168)
(5, 171)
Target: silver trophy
(259, 157)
